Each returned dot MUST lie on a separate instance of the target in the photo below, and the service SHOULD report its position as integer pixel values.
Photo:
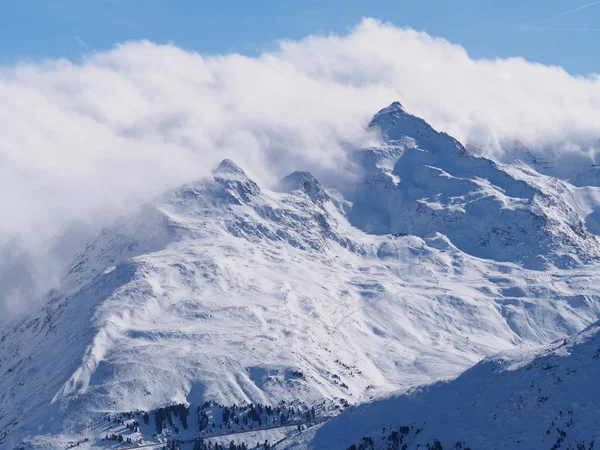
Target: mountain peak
(395, 123)
(394, 110)
(228, 167)
(394, 106)
(235, 187)
(306, 182)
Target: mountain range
(378, 307)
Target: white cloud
(80, 143)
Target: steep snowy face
(436, 185)
(395, 124)
(548, 398)
(588, 177)
(305, 182)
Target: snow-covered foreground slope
(222, 290)
(543, 399)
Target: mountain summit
(395, 124)
(489, 211)
(304, 181)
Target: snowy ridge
(304, 181)
(224, 291)
(545, 398)
(436, 185)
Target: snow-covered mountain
(224, 291)
(500, 213)
(542, 399)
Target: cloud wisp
(82, 143)
(566, 13)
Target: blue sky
(33, 29)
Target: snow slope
(542, 399)
(224, 290)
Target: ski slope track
(223, 290)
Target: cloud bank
(82, 143)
